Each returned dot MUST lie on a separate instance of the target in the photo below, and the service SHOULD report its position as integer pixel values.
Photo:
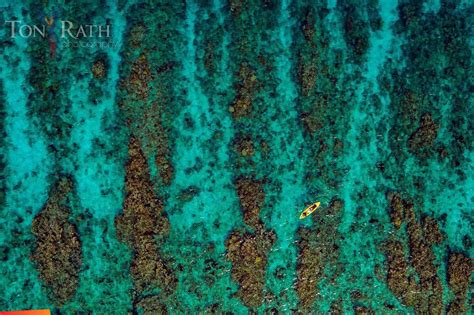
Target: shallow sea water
(241, 109)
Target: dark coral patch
(460, 269)
(318, 248)
(99, 69)
(139, 77)
(251, 196)
(398, 279)
(423, 138)
(244, 146)
(422, 257)
(242, 104)
(423, 292)
(141, 225)
(57, 255)
(397, 209)
(307, 76)
(236, 6)
(248, 253)
(144, 106)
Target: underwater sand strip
(141, 222)
(425, 292)
(248, 251)
(318, 247)
(57, 255)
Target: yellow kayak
(309, 210)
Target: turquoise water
(343, 102)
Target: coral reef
(242, 105)
(147, 119)
(318, 249)
(251, 196)
(307, 76)
(140, 224)
(248, 250)
(424, 136)
(398, 279)
(424, 291)
(248, 254)
(245, 146)
(460, 270)
(99, 69)
(57, 254)
(140, 75)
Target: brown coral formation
(137, 33)
(336, 307)
(307, 77)
(58, 255)
(424, 137)
(315, 119)
(460, 269)
(431, 231)
(248, 250)
(146, 117)
(319, 248)
(362, 310)
(242, 105)
(248, 254)
(409, 105)
(141, 223)
(421, 236)
(251, 196)
(152, 305)
(397, 209)
(398, 279)
(139, 77)
(99, 69)
(245, 147)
